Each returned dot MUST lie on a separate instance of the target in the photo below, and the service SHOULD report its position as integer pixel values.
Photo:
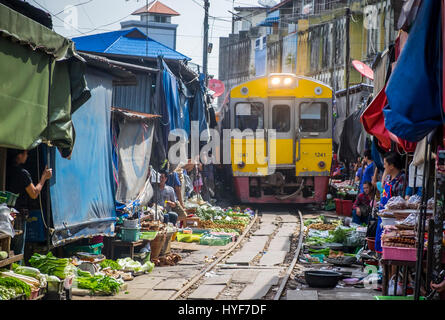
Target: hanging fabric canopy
(414, 88)
(42, 81)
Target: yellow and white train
(294, 165)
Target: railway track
(257, 266)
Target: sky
(105, 15)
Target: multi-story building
(308, 37)
(155, 22)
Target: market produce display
(128, 264)
(107, 263)
(19, 286)
(48, 264)
(98, 284)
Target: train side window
(313, 117)
(249, 116)
(281, 118)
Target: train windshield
(281, 118)
(313, 117)
(249, 116)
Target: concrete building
(308, 37)
(155, 22)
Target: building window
(281, 118)
(249, 116)
(162, 19)
(313, 117)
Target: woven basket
(167, 244)
(156, 245)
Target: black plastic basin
(322, 279)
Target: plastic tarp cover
(134, 149)
(26, 49)
(414, 88)
(82, 193)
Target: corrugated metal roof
(156, 7)
(126, 42)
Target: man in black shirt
(18, 180)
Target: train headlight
(282, 81)
(241, 165)
(288, 81)
(275, 81)
(322, 164)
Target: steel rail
(294, 261)
(213, 264)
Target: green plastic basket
(10, 198)
(396, 298)
(130, 235)
(148, 235)
(93, 249)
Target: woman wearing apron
(392, 184)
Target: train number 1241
(319, 154)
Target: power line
(76, 5)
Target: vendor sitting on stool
(166, 198)
(362, 207)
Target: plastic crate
(11, 198)
(130, 235)
(347, 207)
(338, 207)
(399, 253)
(93, 249)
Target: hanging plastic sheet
(134, 148)
(414, 89)
(350, 137)
(199, 106)
(82, 193)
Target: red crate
(338, 207)
(347, 207)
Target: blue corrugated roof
(130, 42)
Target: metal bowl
(321, 278)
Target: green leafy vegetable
(99, 283)
(59, 267)
(107, 263)
(18, 285)
(340, 234)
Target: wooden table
(386, 264)
(131, 245)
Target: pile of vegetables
(339, 235)
(98, 284)
(128, 264)
(19, 287)
(7, 293)
(107, 263)
(48, 264)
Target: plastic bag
(6, 226)
(414, 202)
(430, 204)
(391, 287)
(396, 203)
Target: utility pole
(347, 58)
(206, 39)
